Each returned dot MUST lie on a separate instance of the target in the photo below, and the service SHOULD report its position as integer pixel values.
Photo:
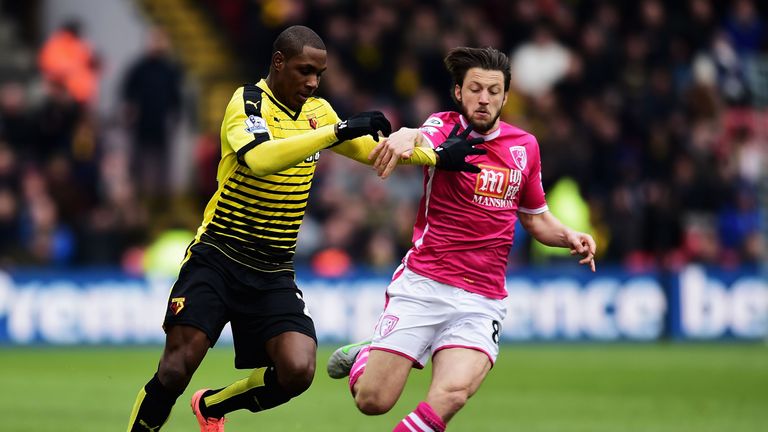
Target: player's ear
(457, 92)
(278, 60)
(506, 96)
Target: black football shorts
(212, 290)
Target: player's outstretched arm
(408, 146)
(273, 155)
(399, 147)
(547, 229)
(403, 146)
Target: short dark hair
(460, 60)
(292, 41)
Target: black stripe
(255, 215)
(252, 238)
(246, 223)
(248, 228)
(252, 93)
(263, 180)
(259, 198)
(282, 174)
(259, 138)
(300, 174)
(261, 239)
(294, 225)
(272, 191)
(263, 208)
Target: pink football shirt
(466, 222)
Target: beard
(478, 126)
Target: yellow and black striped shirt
(255, 219)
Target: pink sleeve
(532, 199)
(436, 128)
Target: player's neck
(271, 84)
(276, 93)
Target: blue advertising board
(63, 308)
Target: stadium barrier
(64, 308)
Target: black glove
(365, 123)
(451, 153)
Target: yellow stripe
(237, 388)
(136, 405)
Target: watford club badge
(312, 121)
(177, 304)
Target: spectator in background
(701, 24)
(15, 124)
(745, 29)
(9, 205)
(152, 97)
(67, 60)
(44, 238)
(539, 63)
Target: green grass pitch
(533, 388)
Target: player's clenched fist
(364, 123)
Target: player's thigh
(280, 316)
(459, 370)
(384, 378)
(195, 301)
(417, 309)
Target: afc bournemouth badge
(387, 324)
(312, 121)
(177, 304)
(519, 157)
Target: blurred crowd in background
(652, 117)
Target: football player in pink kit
(446, 299)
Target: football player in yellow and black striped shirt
(239, 268)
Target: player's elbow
(259, 166)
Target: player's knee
(454, 400)
(174, 376)
(372, 402)
(296, 376)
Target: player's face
(481, 97)
(298, 77)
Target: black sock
(152, 407)
(258, 392)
